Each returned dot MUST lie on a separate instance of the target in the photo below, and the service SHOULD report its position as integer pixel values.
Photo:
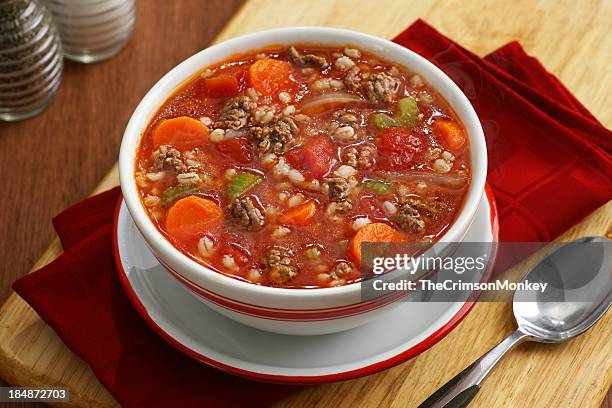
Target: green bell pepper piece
(378, 187)
(241, 183)
(407, 115)
(407, 112)
(383, 121)
(171, 194)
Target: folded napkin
(549, 161)
(80, 296)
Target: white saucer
(207, 336)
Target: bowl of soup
(256, 168)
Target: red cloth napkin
(549, 161)
(80, 296)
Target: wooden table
(58, 157)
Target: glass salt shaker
(93, 30)
(31, 59)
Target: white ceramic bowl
(289, 311)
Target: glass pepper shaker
(31, 59)
(93, 30)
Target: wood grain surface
(57, 158)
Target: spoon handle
(459, 391)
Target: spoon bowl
(576, 282)
(578, 276)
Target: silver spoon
(578, 294)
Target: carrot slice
(451, 132)
(181, 133)
(192, 215)
(374, 232)
(269, 76)
(299, 215)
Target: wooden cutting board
(572, 40)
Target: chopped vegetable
(331, 100)
(191, 216)
(315, 157)
(299, 215)
(451, 132)
(397, 147)
(236, 148)
(374, 232)
(406, 115)
(269, 76)
(182, 133)
(241, 183)
(232, 133)
(448, 182)
(171, 194)
(407, 112)
(383, 121)
(221, 86)
(313, 253)
(378, 186)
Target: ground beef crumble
(338, 187)
(280, 265)
(380, 88)
(432, 208)
(308, 60)
(343, 270)
(246, 215)
(338, 207)
(274, 137)
(166, 156)
(409, 219)
(343, 206)
(360, 157)
(235, 113)
(353, 79)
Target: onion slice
(331, 100)
(445, 181)
(231, 133)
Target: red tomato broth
(216, 161)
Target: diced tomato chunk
(369, 206)
(396, 148)
(237, 148)
(221, 86)
(315, 157)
